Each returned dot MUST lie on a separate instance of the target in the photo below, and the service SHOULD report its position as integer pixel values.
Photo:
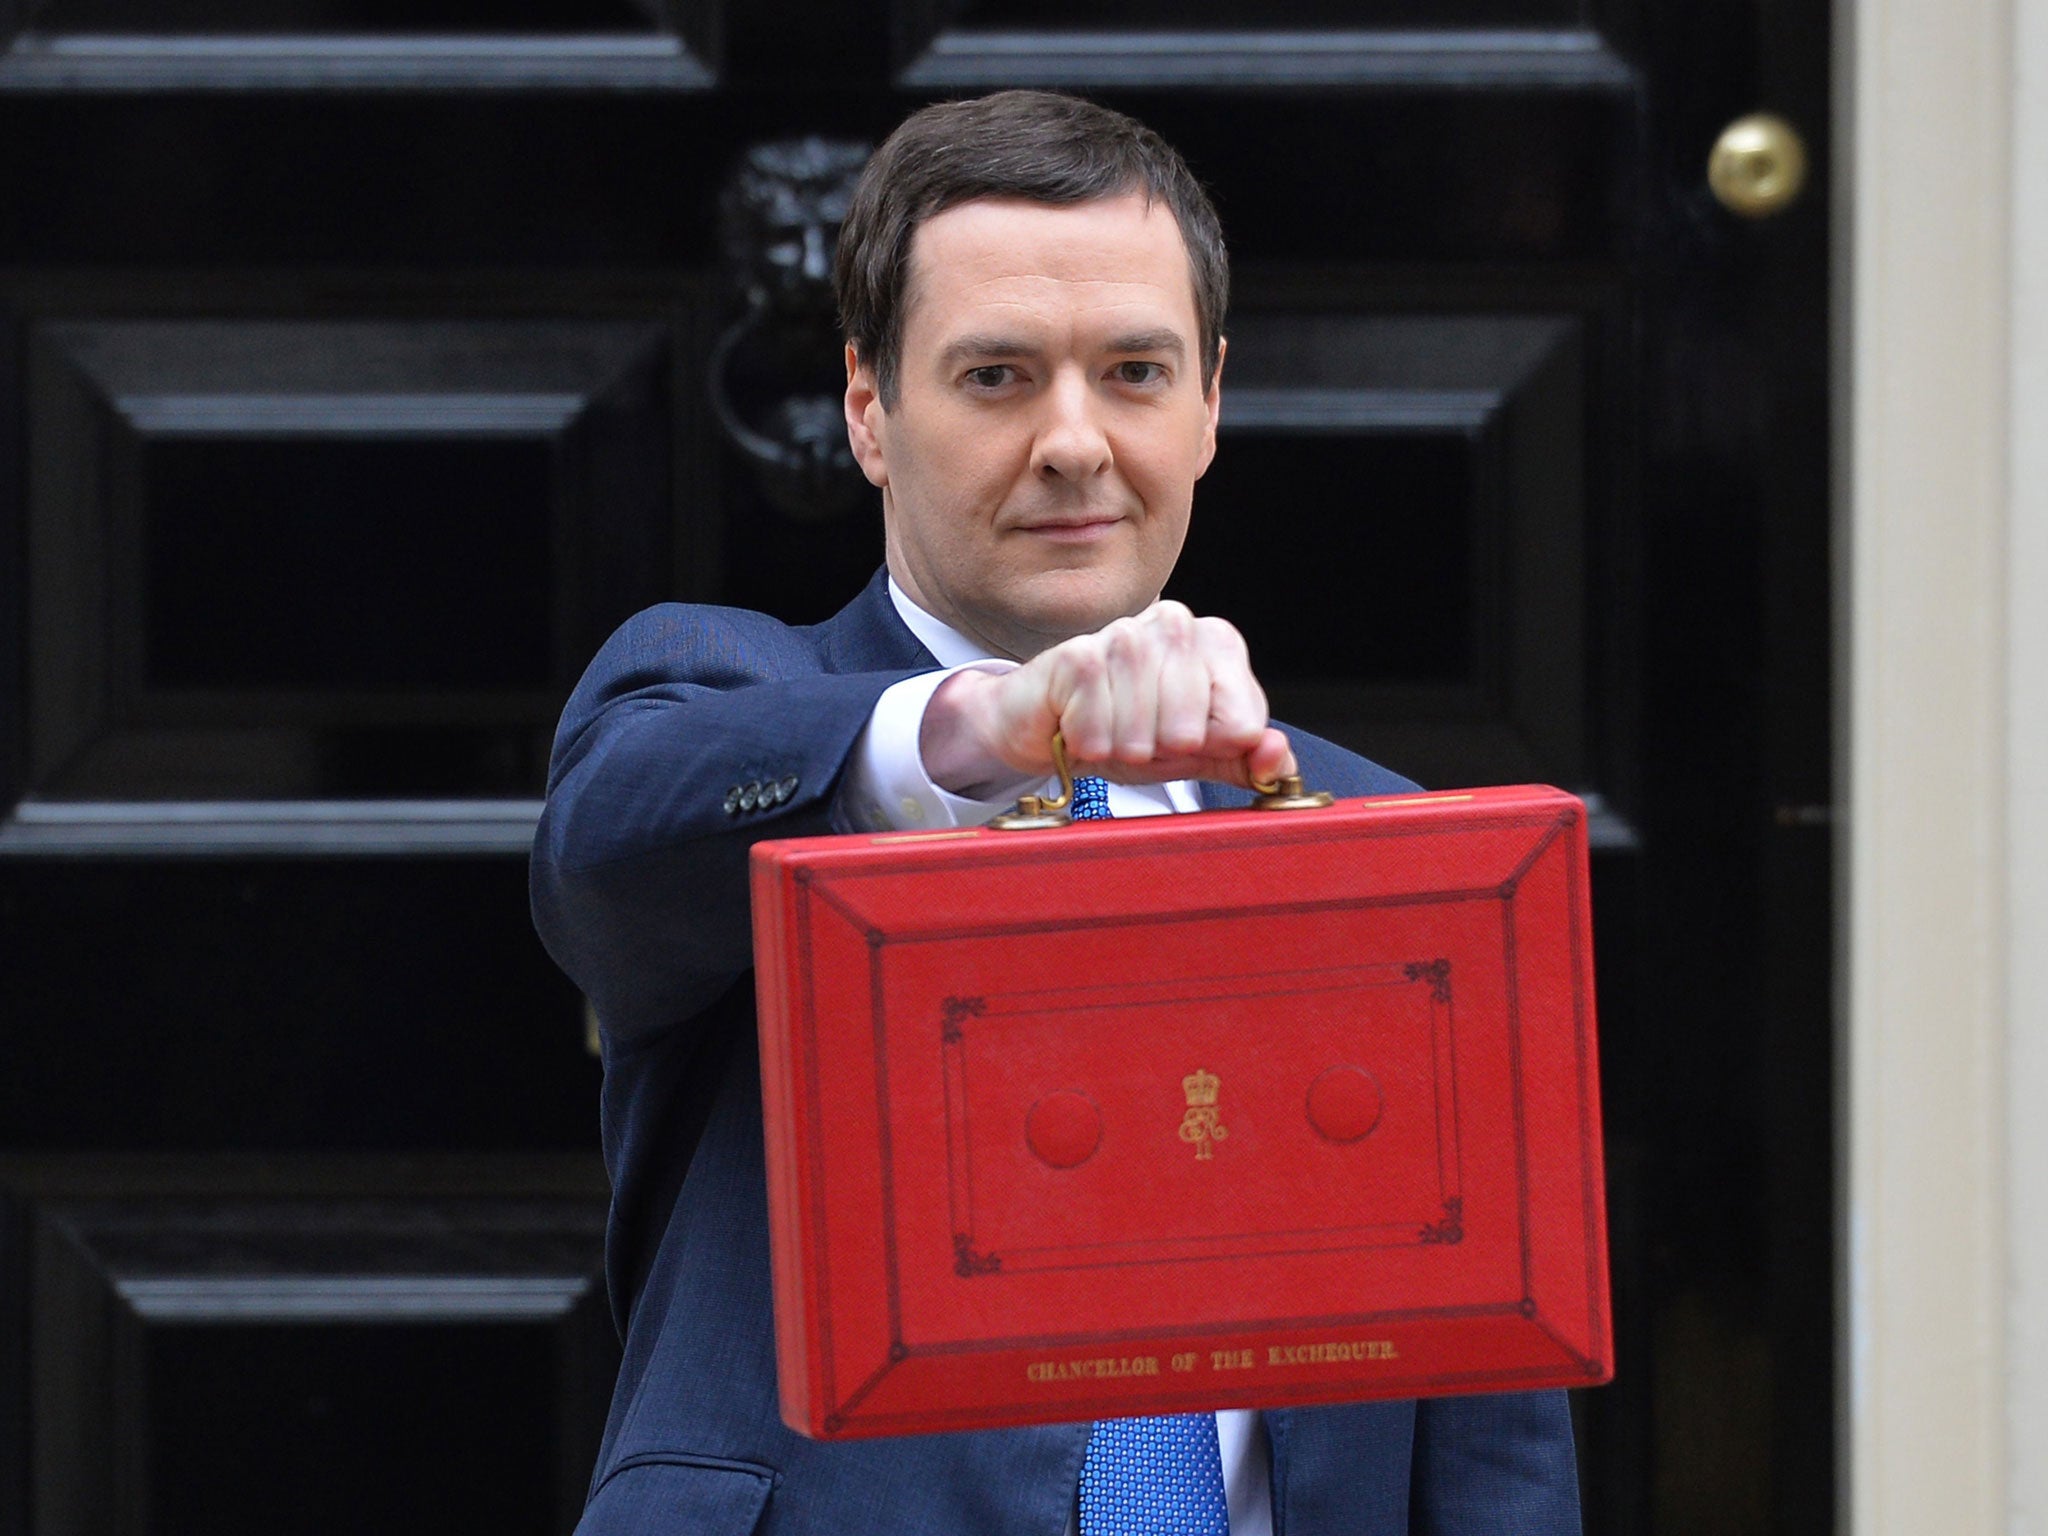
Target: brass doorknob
(1758, 165)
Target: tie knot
(1091, 799)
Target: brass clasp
(1288, 794)
(1043, 810)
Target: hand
(1162, 695)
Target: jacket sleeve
(639, 875)
(1495, 1465)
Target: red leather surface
(1240, 1109)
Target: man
(1033, 293)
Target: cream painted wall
(1944, 435)
(1927, 90)
(2027, 787)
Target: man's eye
(994, 376)
(1140, 373)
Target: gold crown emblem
(1201, 1088)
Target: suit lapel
(868, 635)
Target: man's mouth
(1078, 529)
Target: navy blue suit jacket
(640, 893)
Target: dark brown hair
(1039, 146)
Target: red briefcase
(1239, 1109)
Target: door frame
(1941, 350)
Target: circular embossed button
(1064, 1128)
(1344, 1104)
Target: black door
(363, 363)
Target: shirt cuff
(886, 788)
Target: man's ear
(865, 420)
(1213, 400)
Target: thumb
(1270, 759)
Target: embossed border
(841, 1406)
(1433, 976)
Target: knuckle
(1088, 740)
(1080, 663)
(1179, 632)
(1122, 634)
(1220, 632)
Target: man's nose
(1071, 443)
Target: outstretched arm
(639, 876)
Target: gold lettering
(1112, 1367)
(1092, 1370)
(1333, 1352)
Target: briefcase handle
(1283, 794)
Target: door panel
(193, 1001)
(1445, 455)
(277, 527)
(256, 1359)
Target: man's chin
(1042, 610)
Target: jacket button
(787, 787)
(750, 796)
(732, 801)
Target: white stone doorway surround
(1941, 323)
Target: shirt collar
(948, 646)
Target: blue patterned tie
(1091, 799)
(1149, 1477)
(1154, 1477)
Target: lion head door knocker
(777, 376)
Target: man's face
(1040, 459)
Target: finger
(1237, 704)
(1133, 656)
(1271, 759)
(1161, 770)
(1237, 713)
(1183, 688)
(1080, 696)
(1263, 765)
(1021, 717)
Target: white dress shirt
(887, 789)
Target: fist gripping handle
(1034, 811)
